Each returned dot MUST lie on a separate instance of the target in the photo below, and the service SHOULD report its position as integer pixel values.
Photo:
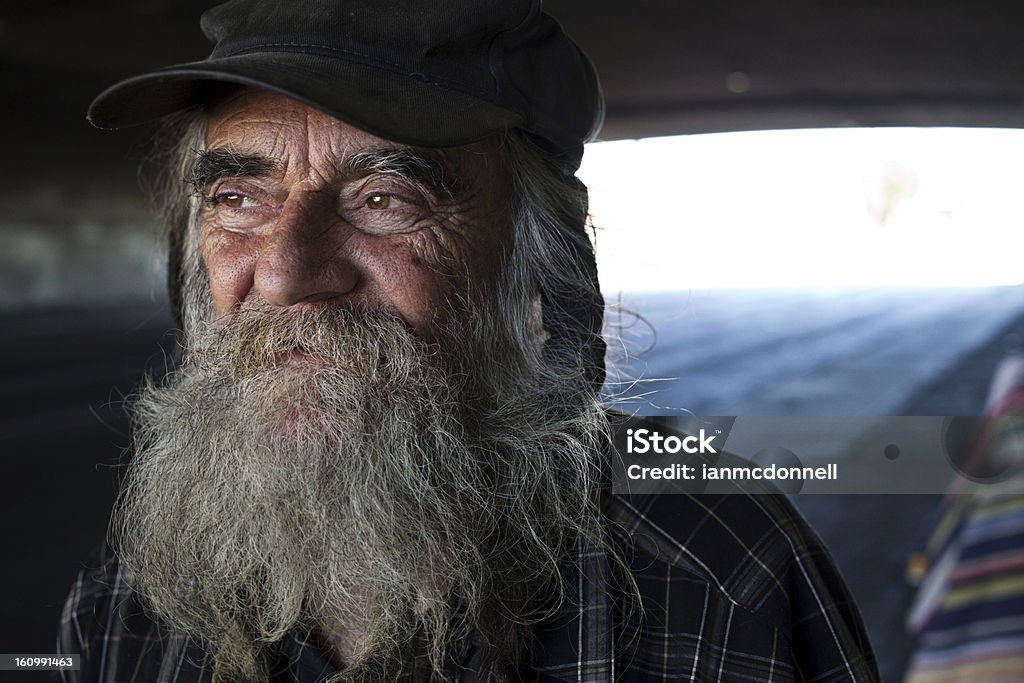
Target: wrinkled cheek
(466, 273)
(230, 262)
(424, 291)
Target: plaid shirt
(732, 588)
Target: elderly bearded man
(382, 456)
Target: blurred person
(968, 615)
(382, 455)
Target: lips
(299, 357)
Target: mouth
(297, 356)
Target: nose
(305, 258)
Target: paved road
(824, 352)
(63, 432)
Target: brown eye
(232, 200)
(378, 201)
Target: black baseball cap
(433, 73)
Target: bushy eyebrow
(214, 164)
(425, 167)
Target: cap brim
(402, 108)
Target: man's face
(337, 450)
(301, 209)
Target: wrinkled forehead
(299, 140)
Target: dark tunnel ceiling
(665, 65)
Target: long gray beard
(325, 468)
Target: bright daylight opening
(873, 207)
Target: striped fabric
(969, 613)
(731, 588)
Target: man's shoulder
(100, 601)
(740, 568)
(746, 545)
(105, 621)
(745, 539)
